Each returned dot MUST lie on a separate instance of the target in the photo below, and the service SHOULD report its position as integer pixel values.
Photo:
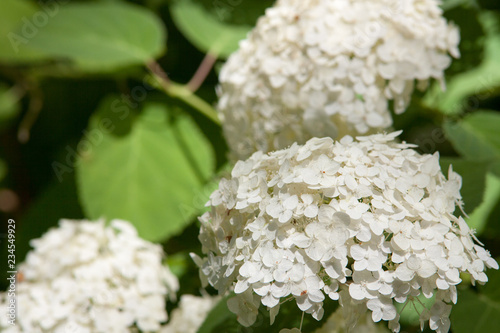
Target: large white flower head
(314, 68)
(86, 277)
(367, 222)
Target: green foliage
(478, 219)
(205, 31)
(58, 200)
(220, 319)
(476, 136)
(147, 176)
(478, 310)
(467, 90)
(14, 21)
(93, 36)
(101, 36)
(410, 313)
(473, 179)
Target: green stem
(182, 92)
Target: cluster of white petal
(190, 314)
(86, 277)
(317, 68)
(367, 222)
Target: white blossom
(353, 220)
(88, 277)
(318, 68)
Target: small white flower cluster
(367, 222)
(317, 68)
(190, 314)
(86, 277)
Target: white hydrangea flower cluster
(190, 314)
(367, 222)
(317, 68)
(86, 277)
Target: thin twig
(159, 73)
(202, 72)
(182, 92)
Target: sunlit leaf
(410, 311)
(18, 26)
(101, 36)
(205, 31)
(147, 176)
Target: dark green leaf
(473, 179)
(56, 202)
(149, 176)
(478, 312)
(479, 217)
(205, 31)
(220, 319)
(477, 136)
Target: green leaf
(101, 36)
(479, 311)
(16, 30)
(449, 4)
(217, 316)
(477, 136)
(479, 217)
(480, 82)
(410, 313)
(473, 179)
(148, 175)
(205, 31)
(220, 319)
